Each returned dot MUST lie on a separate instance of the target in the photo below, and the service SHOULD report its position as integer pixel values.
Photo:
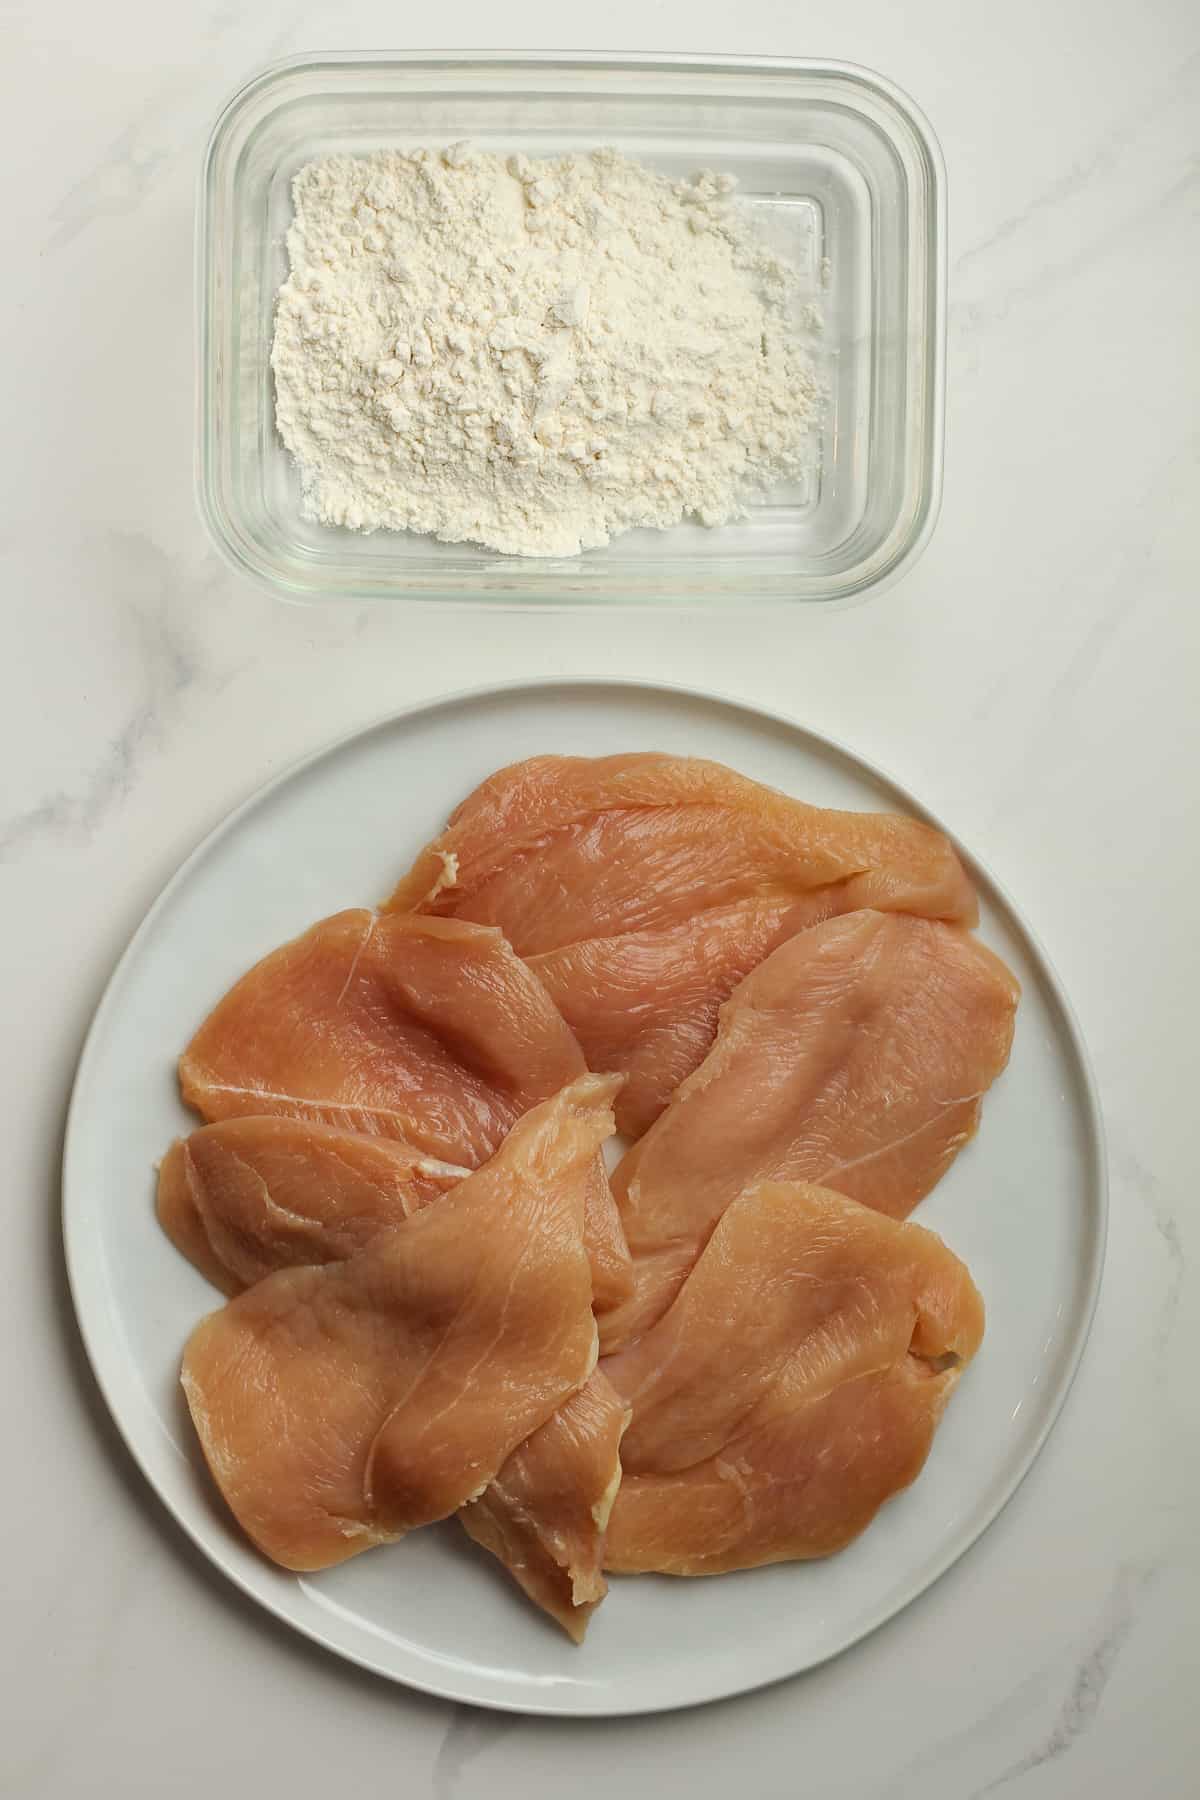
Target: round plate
(1024, 1205)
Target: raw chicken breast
(792, 1388)
(647, 1003)
(342, 1406)
(246, 1197)
(249, 1196)
(644, 887)
(546, 1514)
(428, 1031)
(856, 1056)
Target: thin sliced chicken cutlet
(561, 848)
(648, 1002)
(643, 888)
(855, 1056)
(546, 1514)
(342, 1406)
(246, 1197)
(792, 1388)
(431, 1032)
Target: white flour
(533, 355)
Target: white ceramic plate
(1024, 1205)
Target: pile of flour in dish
(534, 355)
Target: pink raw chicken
(793, 1387)
(546, 1514)
(246, 1197)
(426, 1031)
(642, 889)
(342, 1406)
(856, 1056)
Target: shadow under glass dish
(843, 177)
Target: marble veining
(1095, 168)
(145, 150)
(119, 182)
(1078, 1711)
(1138, 180)
(154, 595)
(1038, 665)
(1006, 1718)
(1134, 1175)
(469, 1733)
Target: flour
(533, 355)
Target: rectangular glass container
(846, 177)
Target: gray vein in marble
(469, 1733)
(1030, 757)
(129, 168)
(1079, 1709)
(119, 182)
(152, 593)
(222, 19)
(1147, 140)
(970, 316)
(1007, 1714)
(291, 31)
(1082, 174)
(1113, 557)
(1133, 1173)
(73, 817)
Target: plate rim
(453, 1687)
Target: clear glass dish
(845, 174)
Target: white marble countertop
(1034, 677)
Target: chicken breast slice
(644, 887)
(342, 1406)
(792, 1388)
(246, 1197)
(855, 1056)
(546, 1514)
(426, 1031)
